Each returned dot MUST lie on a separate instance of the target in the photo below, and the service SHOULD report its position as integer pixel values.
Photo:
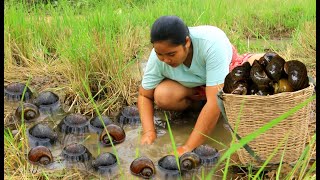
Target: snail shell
(40, 155)
(14, 91)
(97, 125)
(241, 73)
(30, 112)
(74, 123)
(297, 74)
(129, 115)
(258, 74)
(229, 84)
(76, 152)
(116, 133)
(274, 69)
(104, 162)
(169, 164)
(42, 134)
(143, 167)
(208, 155)
(189, 160)
(264, 61)
(241, 88)
(282, 85)
(47, 101)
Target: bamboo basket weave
(259, 110)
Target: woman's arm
(145, 106)
(206, 121)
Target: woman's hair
(169, 28)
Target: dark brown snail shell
(42, 134)
(189, 160)
(208, 155)
(297, 74)
(40, 155)
(76, 152)
(241, 88)
(265, 90)
(264, 61)
(229, 84)
(142, 167)
(129, 115)
(274, 69)
(96, 124)
(169, 164)
(74, 123)
(14, 92)
(47, 101)
(282, 85)
(30, 112)
(241, 73)
(116, 133)
(258, 74)
(104, 162)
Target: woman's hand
(148, 137)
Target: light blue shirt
(212, 54)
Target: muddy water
(128, 150)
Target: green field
(80, 46)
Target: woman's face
(172, 54)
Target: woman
(186, 65)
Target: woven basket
(259, 110)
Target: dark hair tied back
(169, 28)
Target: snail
(47, 101)
(74, 123)
(96, 124)
(229, 84)
(129, 115)
(40, 155)
(266, 58)
(258, 74)
(169, 165)
(297, 74)
(76, 152)
(282, 85)
(30, 112)
(104, 162)
(116, 133)
(189, 160)
(240, 87)
(208, 155)
(142, 167)
(241, 73)
(42, 134)
(14, 92)
(274, 69)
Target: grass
(86, 50)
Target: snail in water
(96, 124)
(189, 160)
(40, 155)
(208, 155)
(76, 152)
(143, 167)
(116, 133)
(14, 92)
(30, 112)
(42, 134)
(169, 165)
(74, 123)
(47, 101)
(104, 162)
(129, 115)
(297, 74)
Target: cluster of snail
(269, 75)
(42, 137)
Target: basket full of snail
(253, 95)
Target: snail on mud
(142, 167)
(42, 134)
(76, 152)
(14, 92)
(74, 123)
(47, 101)
(282, 85)
(208, 155)
(168, 165)
(274, 69)
(116, 133)
(129, 115)
(297, 74)
(40, 155)
(104, 162)
(189, 160)
(30, 112)
(96, 124)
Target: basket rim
(311, 85)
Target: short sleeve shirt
(212, 54)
